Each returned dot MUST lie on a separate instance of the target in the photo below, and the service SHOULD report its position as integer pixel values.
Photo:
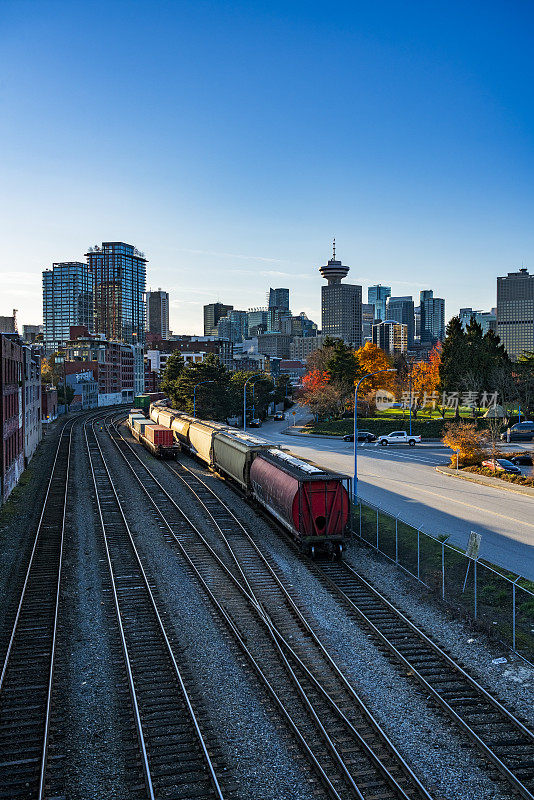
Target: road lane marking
(450, 500)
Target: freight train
(157, 439)
(312, 503)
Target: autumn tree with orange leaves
(425, 381)
(372, 359)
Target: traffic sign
(473, 545)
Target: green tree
(454, 359)
(260, 395)
(213, 399)
(173, 369)
(343, 367)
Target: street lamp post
(195, 395)
(370, 375)
(258, 376)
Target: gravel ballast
(92, 692)
(256, 748)
(439, 754)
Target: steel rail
(44, 718)
(280, 638)
(505, 770)
(304, 622)
(293, 725)
(161, 627)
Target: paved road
(403, 481)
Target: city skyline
(253, 294)
(406, 133)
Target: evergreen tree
(173, 369)
(212, 396)
(454, 358)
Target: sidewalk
(496, 483)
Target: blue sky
(231, 141)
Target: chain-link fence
(503, 602)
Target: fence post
(377, 529)
(443, 570)
(513, 615)
(475, 568)
(360, 507)
(418, 551)
(396, 540)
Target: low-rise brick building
(12, 439)
(31, 399)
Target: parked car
(255, 423)
(363, 436)
(399, 437)
(522, 461)
(279, 416)
(501, 465)
(520, 432)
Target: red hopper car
(312, 503)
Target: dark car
(522, 461)
(501, 465)
(255, 423)
(279, 416)
(520, 432)
(363, 436)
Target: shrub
(467, 440)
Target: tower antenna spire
(334, 249)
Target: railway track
(173, 754)
(26, 679)
(503, 739)
(344, 744)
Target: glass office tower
(119, 273)
(67, 300)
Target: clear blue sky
(231, 141)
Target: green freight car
(142, 401)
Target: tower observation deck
(334, 271)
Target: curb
(483, 480)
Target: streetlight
(253, 384)
(370, 375)
(256, 375)
(195, 395)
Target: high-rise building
(368, 318)
(401, 309)
(432, 310)
(257, 320)
(515, 312)
(391, 337)
(486, 319)
(119, 280)
(278, 298)
(377, 295)
(341, 304)
(278, 320)
(302, 326)
(212, 314)
(67, 300)
(157, 313)
(234, 326)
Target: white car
(399, 437)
